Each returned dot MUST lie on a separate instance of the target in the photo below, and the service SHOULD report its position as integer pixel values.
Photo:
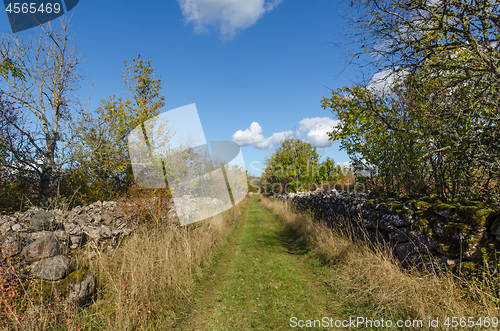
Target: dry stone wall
(419, 232)
(40, 242)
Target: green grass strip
(263, 281)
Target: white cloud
(383, 81)
(316, 129)
(253, 136)
(228, 16)
(275, 139)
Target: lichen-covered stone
(52, 268)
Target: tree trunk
(45, 179)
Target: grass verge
(371, 283)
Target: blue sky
(264, 62)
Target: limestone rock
(44, 247)
(82, 291)
(52, 268)
(42, 220)
(17, 227)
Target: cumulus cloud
(250, 136)
(253, 136)
(228, 16)
(314, 129)
(275, 139)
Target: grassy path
(259, 281)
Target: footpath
(261, 279)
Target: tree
(8, 67)
(440, 120)
(44, 75)
(292, 167)
(379, 133)
(103, 150)
(328, 171)
(405, 34)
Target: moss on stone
(420, 213)
(397, 205)
(485, 217)
(450, 241)
(76, 276)
(422, 205)
(466, 213)
(45, 291)
(475, 215)
(420, 224)
(443, 206)
(426, 199)
(384, 204)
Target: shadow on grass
(284, 238)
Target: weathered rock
(43, 220)
(42, 238)
(81, 219)
(6, 226)
(97, 234)
(406, 250)
(52, 268)
(44, 247)
(17, 227)
(418, 230)
(399, 235)
(73, 228)
(82, 291)
(75, 241)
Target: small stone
(75, 242)
(11, 246)
(17, 227)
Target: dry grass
(373, 281)
(144, 283)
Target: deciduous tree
(40, 77)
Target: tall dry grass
(145, 283)
(373, 281)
